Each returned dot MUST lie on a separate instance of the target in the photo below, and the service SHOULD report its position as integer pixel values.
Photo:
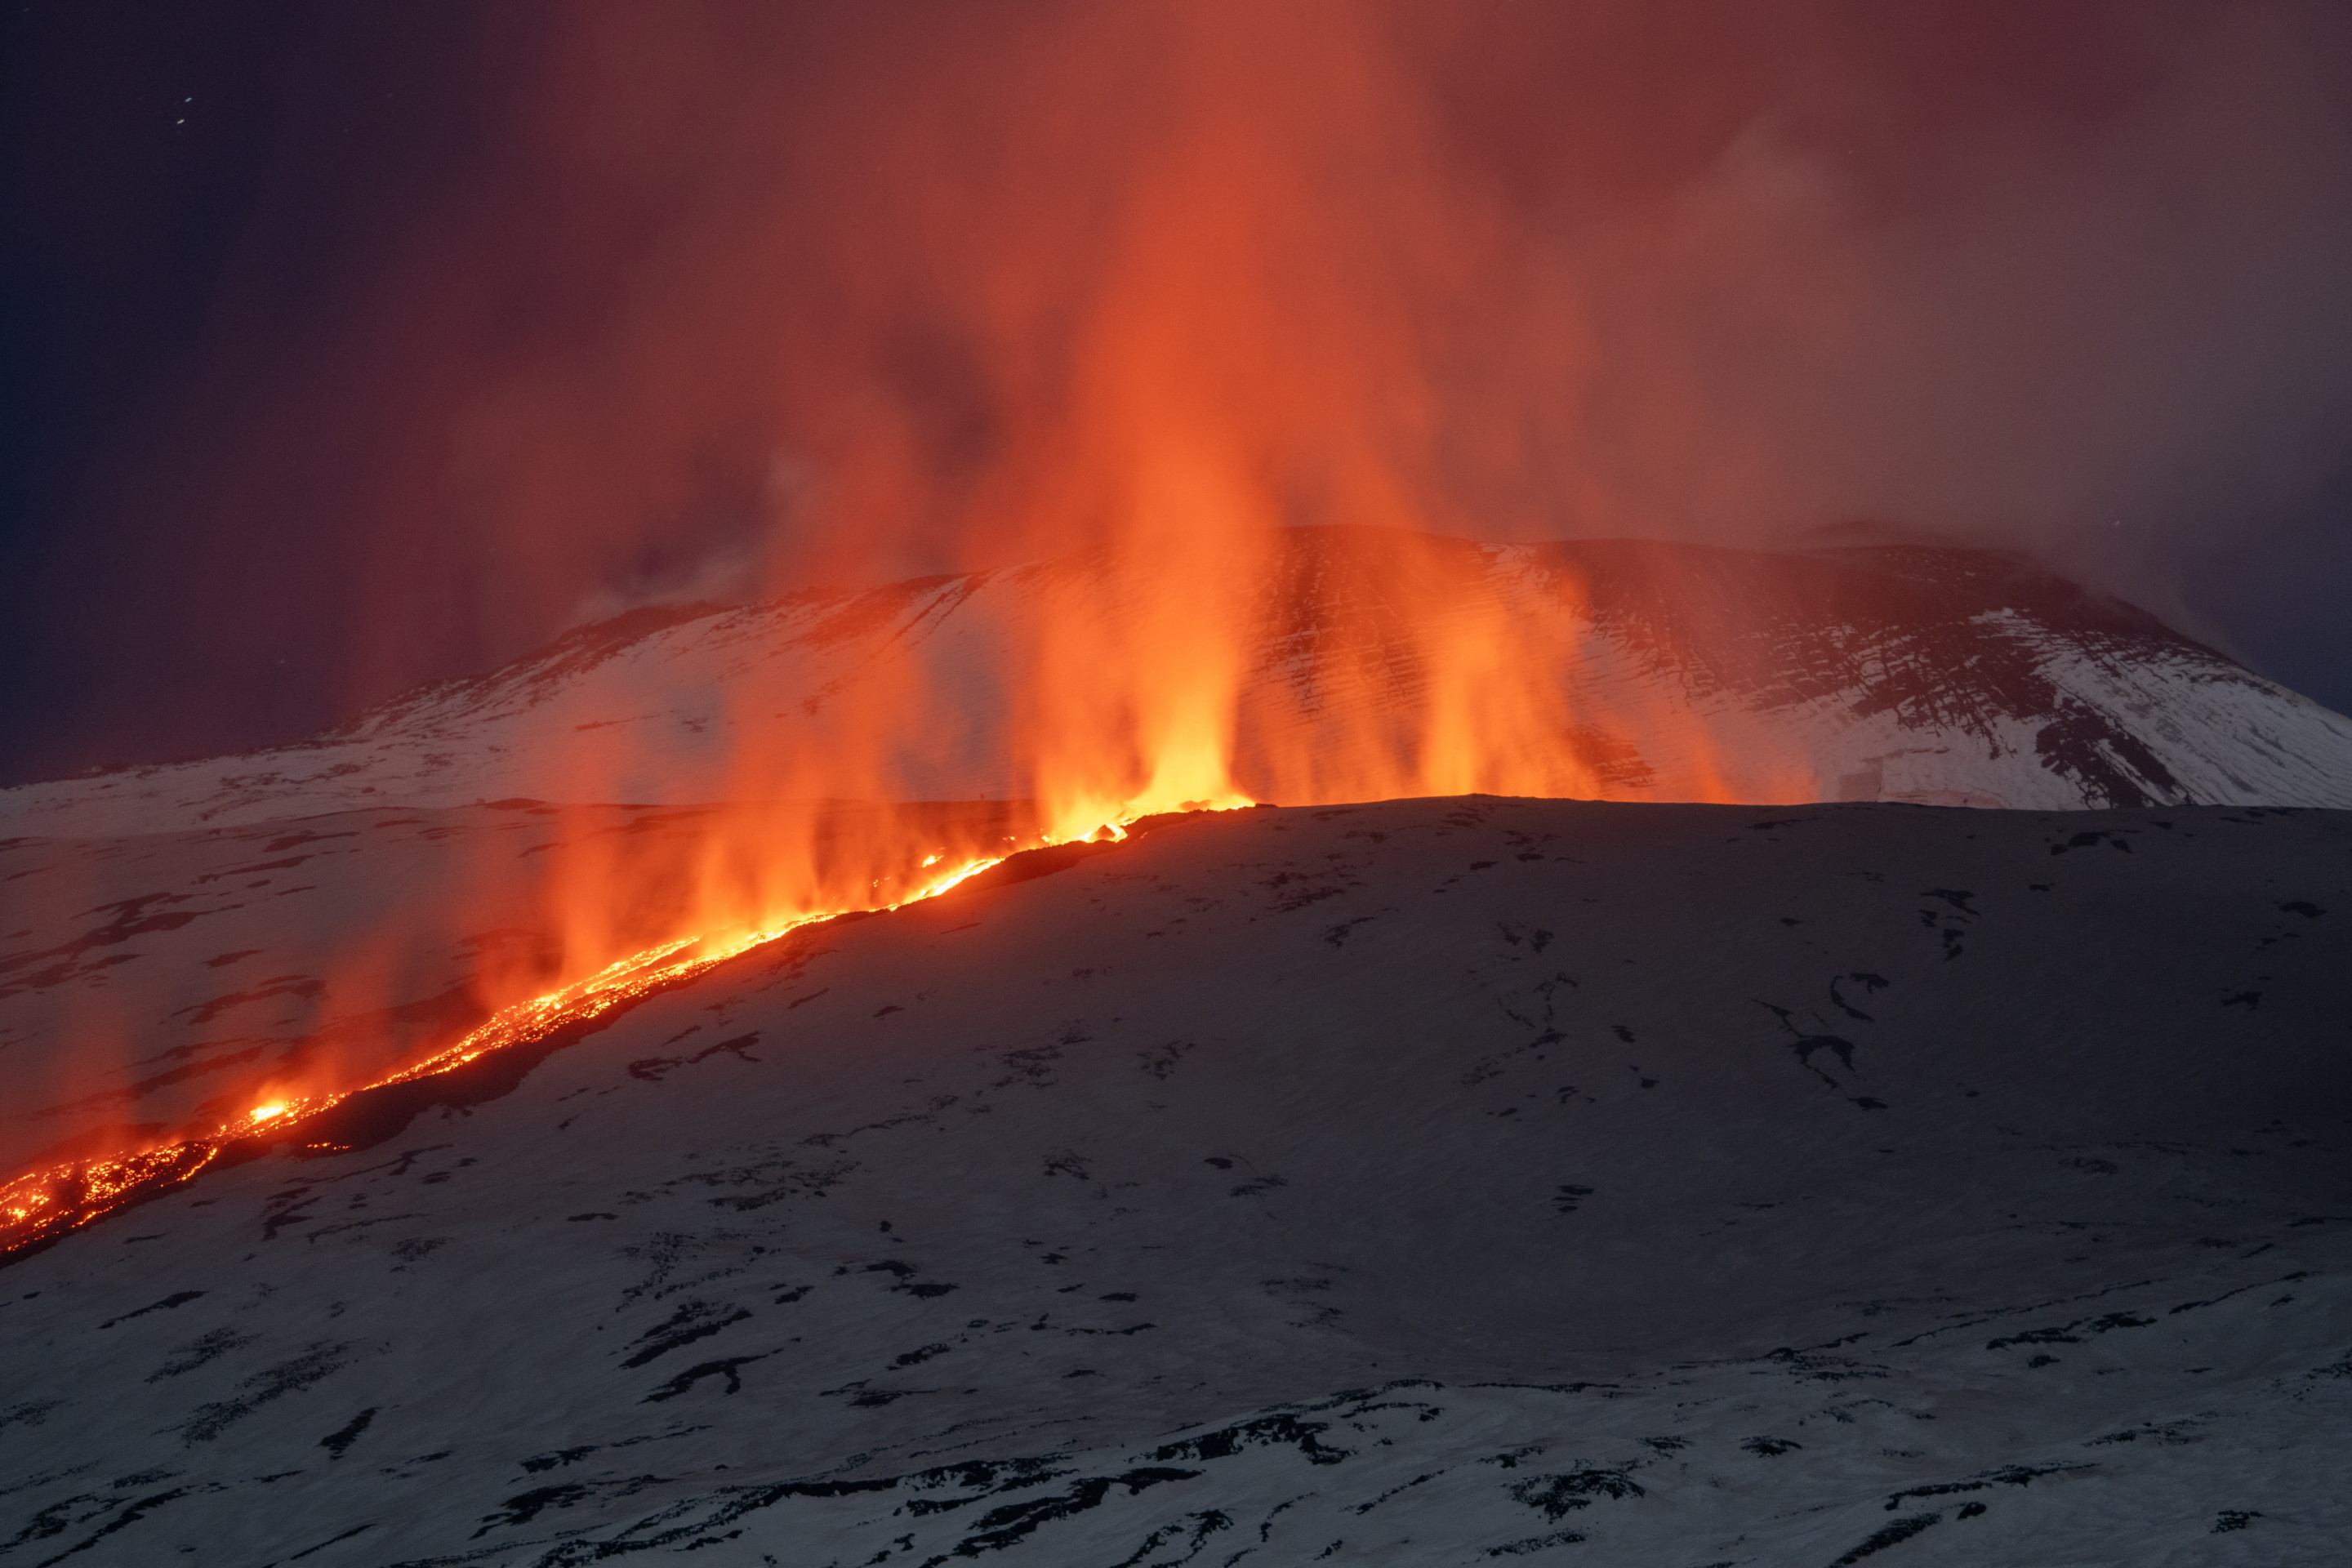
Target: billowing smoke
(724, 296)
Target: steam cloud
(754, 294)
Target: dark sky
(350, 346)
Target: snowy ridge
(1932, 676)
(1535, 1182)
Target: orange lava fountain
(1219, 325)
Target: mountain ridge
(1926, 673)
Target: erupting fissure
(1143, 692)
(41, 1205)
(1172, 643)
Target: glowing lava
(42, 1204)
(1245, 357)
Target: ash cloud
(2066, 278)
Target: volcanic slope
(1934, 675)
(163, 981)
(1430, 1181)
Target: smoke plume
(756, 295)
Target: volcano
(1934, 675)
(1422, 1180)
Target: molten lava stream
(39, 1205)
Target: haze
(350, 349)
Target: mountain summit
(1930, 674)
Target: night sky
(349, 347)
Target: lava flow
(40, 1205)
(1116, 396)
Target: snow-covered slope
(1930, 675)
(1427, 1183)
(146, 980)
